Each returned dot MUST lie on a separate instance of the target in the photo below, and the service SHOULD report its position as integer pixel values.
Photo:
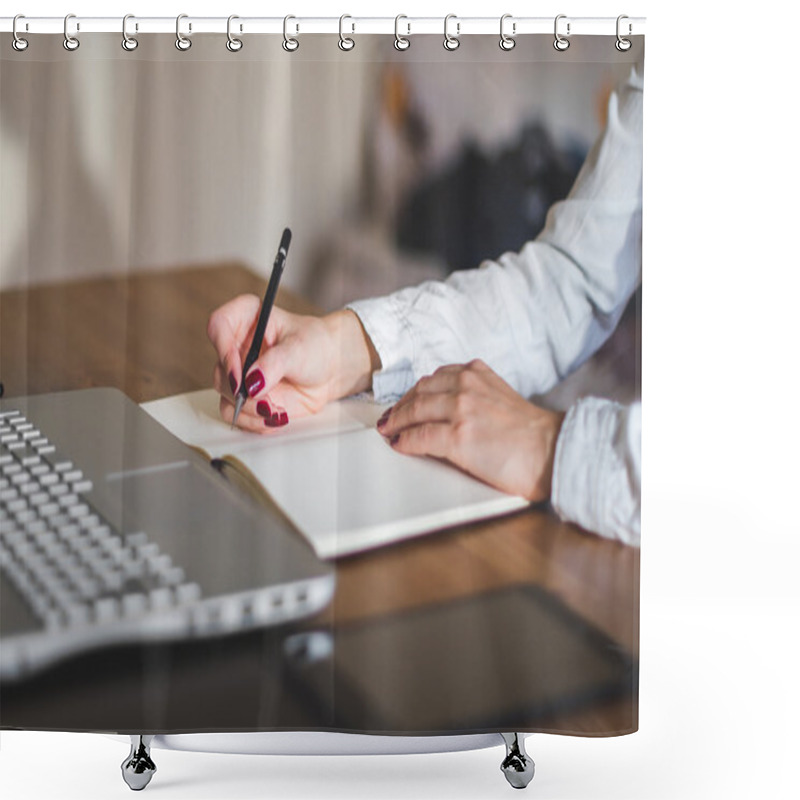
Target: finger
(430, 439)
(247, 420)
(228, 329)
(418, 410)
(255, 415)
(224, 382)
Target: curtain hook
(401, 42)
(233, 44)
(623, 45)
(129, 42)
(345, 42)
(290, 43)
(451, 42)
(560, 42)
(71, 43)
(182, 42)
(507, 42)
(17, 42)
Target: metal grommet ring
(560, 42)
(290, 43)
(71, 43)
(233, 44)
(451, 42)
(182, 42)
(623, 45)
(507, 42)
(17, 42)
(345, 42)
(129, 42)
(401, 42)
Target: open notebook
(334, 476)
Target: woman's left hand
(468, 415)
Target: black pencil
(263, 318)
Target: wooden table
(144, 333)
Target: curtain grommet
(561, 43)
(346, 43)
(290, 43)
(183, 43)
(451, 42)
(71, 43)
(507, 42)
(622, 44)
(17, 42)
(233, 44)
(401, 42)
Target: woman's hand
(305, 362)
(470, 416)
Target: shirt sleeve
(597, 469)
(536, 315)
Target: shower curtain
(449, 179)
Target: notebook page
(335, 477)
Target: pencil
(263, 318)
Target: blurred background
(390, 167)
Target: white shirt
(536, 315)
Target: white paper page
(194, 418)
(351, 492)
(335, 476)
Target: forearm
(536, 315)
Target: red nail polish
(263, 409)
(254, 382)
(232, 382)
(277, 420)
(384, 417)
(394, 440)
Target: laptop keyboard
(70, 566)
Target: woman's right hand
(305, 362)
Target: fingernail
(394, 440)
(232, 382)
(254, 382)
(277, 420)
(384, 417)
(263, 409)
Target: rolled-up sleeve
(597, 469)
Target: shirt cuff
(392, 336)
(596, 481)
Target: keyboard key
(81, 487)
(71, 475)
(187, 593)
(80, 510)
(63, 466)
(106, 609)
(67, 500)
(133, 605)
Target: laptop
(112, 531)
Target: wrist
(353, 354)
